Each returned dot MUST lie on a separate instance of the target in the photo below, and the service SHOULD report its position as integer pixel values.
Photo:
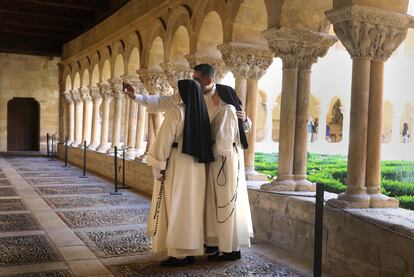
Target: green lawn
(397, 177)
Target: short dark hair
(205, 69)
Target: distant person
(405, 133)
(314, 135)
(328, 133)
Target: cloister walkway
(53, 223)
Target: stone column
(396, 136)
(156, 83)
(218, 64)
(268, 122)
(345, 125)
(142, 116)
(127, 113)
(106, 93)
(87, 116)
(370, 36)
(70, 117)
(116, 86)
(96, 126)
(323, 113)
(250, 62)
(76, 95)
(176, 72)
(298, 49)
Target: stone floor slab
(91, 267)
(26, 249)
(117, 243)
(63, 181)
(6, 192)
(96, 218)
(91, 201)
(11, 205)
(77, 189)
(74, 253)
(18, 222)
(54, 273)
(52, 174)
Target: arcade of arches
(293, 63)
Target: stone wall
(30, 76)
(351, 247)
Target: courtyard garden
(397, 177)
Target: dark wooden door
(23, 124)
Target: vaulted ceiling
(41, 27)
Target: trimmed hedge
(331, 170)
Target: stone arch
(208, 41)
(117, 59)
(386, 128)
(67, 77)
(250, 21)
(76, 80)
(132, 53)
(68, 83)
(94, 68)
(178, 35)
(261, 115)
(276, 118)
(104, 64)
(335, 120)
(153, 52)
(106, 71)
(85, 81)
(84, 65)
(407, 117)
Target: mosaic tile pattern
(49, 174)
(79, 189)
(5, 192)
(54, 273)
(117, 243)
(251, 264)
(26, 250)
(7, 205)
(63, 181)
(91, 201)
(17, 222)
(47, 169)
(4, 183)
(80, 219)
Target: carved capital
(105, 90)
(298, 48)
(76, 96)
(218, 64)
(85, 95)
(155, 81)
(246, 61)
(96, 96)
(176, 72)
(116, 86)
(368, 32)
(68, 97)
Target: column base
(75, 144)
(280, 184)
(131, 153)
(92, 147)
(253, 175)
(103, 148)
(142, 158)
(302, 184)
(351, 201)
(379, 200)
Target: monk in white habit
(178, 156)
(228, 217)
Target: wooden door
(23, 124)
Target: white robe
(180, 230)
(228, 218)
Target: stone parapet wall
(351, 247)
(138, 175)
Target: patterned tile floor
(53, 223)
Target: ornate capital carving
(218, 64)
(86, 97)
(155, 81)
(68, 97)
(298, 48)
(76, 96)
(116, 86)
(176, 72)
(369, 32)
(105, 90)
(94, 91)
(246, 61)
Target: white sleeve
(156, 103)
(226, 131)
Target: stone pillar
(96, 126)
(323, 113)
(76, 95)
(156, 83)
(70, 117)
(268, 122)
(127, 113)
(396, 136)
(250, 62)
(370, 36)
(116, 86)
(106, 93)
(176, 72)
(142, 116)
(345, 125)
(298, 49)
(218, 64)
(133, 118)
(87, 116)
